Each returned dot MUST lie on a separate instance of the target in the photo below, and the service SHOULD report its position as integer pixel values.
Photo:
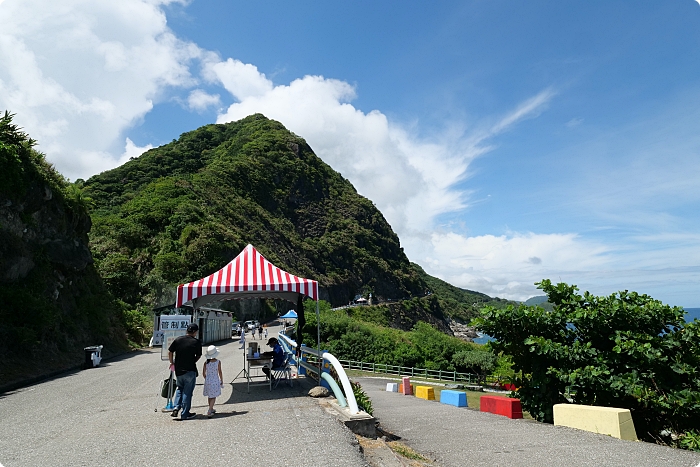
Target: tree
(625, 350)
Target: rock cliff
(54, 302)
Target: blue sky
(505, 142)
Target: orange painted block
(425, 392)
(506, 406)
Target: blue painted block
(456, 398)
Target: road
(110, 416)
(459, 437)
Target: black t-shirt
(187, 351)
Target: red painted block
(406, 386)
(509, 387)
(505, 406)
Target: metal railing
(313, 361)
(313, 364)
(471, 379)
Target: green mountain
(540, 300)
(53, 300)
(183, 210)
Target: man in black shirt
(183, 354)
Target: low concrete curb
(361, 424)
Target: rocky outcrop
(53, 301)
(462, 330)
(40, 228)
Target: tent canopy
(248, 275)
(291, 314)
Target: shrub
(363, 400)
(625, 350)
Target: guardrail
(440, 375)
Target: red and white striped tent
(248, 275)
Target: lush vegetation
(369, 340)
(625, 350)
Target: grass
(405, 451)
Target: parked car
(236, 328)
(250, 324)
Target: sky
(505, 142)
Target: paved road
(106, 417)
(461, 437)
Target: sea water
(691, 314)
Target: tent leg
(318, 338)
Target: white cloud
(411, 180)
(78, 73)
(507, 266)
(530, 108)
(131, 151)
(200, 100)
(242, 80)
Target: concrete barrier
(425, 392)
(604, 420)
(505, 406)
(392, 387)
(456, 398)
(406, 386)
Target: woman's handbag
(167, 387)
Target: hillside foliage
(366, 337)
(183, 210)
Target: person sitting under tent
(277, 355)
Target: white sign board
(157, 338)
(168, 338)
(174, 322)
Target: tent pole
(318, 341)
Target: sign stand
(243, 372)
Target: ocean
(692, 313)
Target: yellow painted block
(425, 392)
(604, 420)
